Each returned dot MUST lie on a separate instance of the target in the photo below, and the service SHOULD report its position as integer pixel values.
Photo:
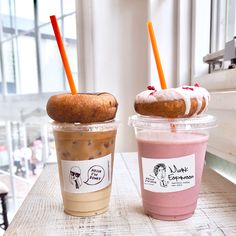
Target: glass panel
(71, 46)
(27, 155)
(5, 19)
(70, 27)
(8, 62)
(51, 65)
(27, 65)
(5, 10)
(52, 157)
(4, 157)
(68, 6)
(24, 15)
(231, 20)
(47, 8)
(4, 160)
(27, 149)
(9, 66)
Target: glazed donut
(82, 107)
(185, 101)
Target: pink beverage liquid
(166, 146)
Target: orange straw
(156, 55)
(63, 54)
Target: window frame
(34, 32)
(222, 87)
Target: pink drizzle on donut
(187, 88)
(151, 87)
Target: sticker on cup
(168, 175)
(86, 176)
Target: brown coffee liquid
(84, 145)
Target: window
(32, 62)
(220, 81)
(223, 32)
(31, 68)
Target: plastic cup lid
(99, 126)
(201, 122)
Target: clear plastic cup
(85, 154)
(171, 156)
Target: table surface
(42, 211)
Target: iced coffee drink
(84, 131)
(84, 128)
(85, 156)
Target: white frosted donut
(183, 101)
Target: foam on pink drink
(172, 196)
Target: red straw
(156, 55)
(63, 54)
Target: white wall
(114, 50)
(172, 22)
(119, 46)
(163, 15)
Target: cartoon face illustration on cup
(160, 172)
(75, 177)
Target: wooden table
(42, 211)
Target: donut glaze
(185, 101)
(82, 107)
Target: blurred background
(31, 71)
(108, 49)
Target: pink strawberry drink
(171, 158)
